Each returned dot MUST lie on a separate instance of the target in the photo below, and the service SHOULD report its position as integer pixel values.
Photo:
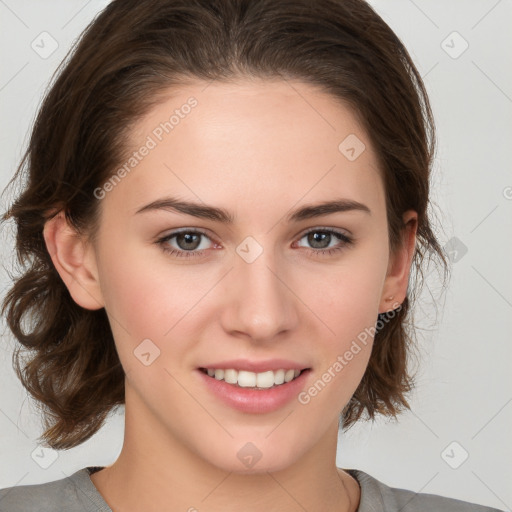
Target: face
(271, 290)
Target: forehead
(272, 140)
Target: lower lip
(257, 401)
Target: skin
(260, 150)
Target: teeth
(279, 377)
(265, 379)
(231, 376)
(245, 379)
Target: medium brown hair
(125, 60)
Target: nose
(259, 300)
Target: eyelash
(346, 241)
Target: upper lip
(256, 366)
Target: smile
(247, 379)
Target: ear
(397, 277)
(74, 260)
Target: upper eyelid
(329, 229)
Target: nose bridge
(260, 304)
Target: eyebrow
(217, 214)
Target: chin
(250, 458)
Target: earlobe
(397, 278)
(74, 260)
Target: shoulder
(75, 493)
(376, 495)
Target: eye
(321, 238)
(188, 241)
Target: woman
(225, 202)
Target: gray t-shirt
(77, 493)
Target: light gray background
(464, 391)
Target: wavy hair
(122, 64)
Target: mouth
(254, 387)
(254, 380)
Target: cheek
(347, 303)
(152, 299)
(139, 303)
(347, 297)
(140, 288)
(349, 309)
